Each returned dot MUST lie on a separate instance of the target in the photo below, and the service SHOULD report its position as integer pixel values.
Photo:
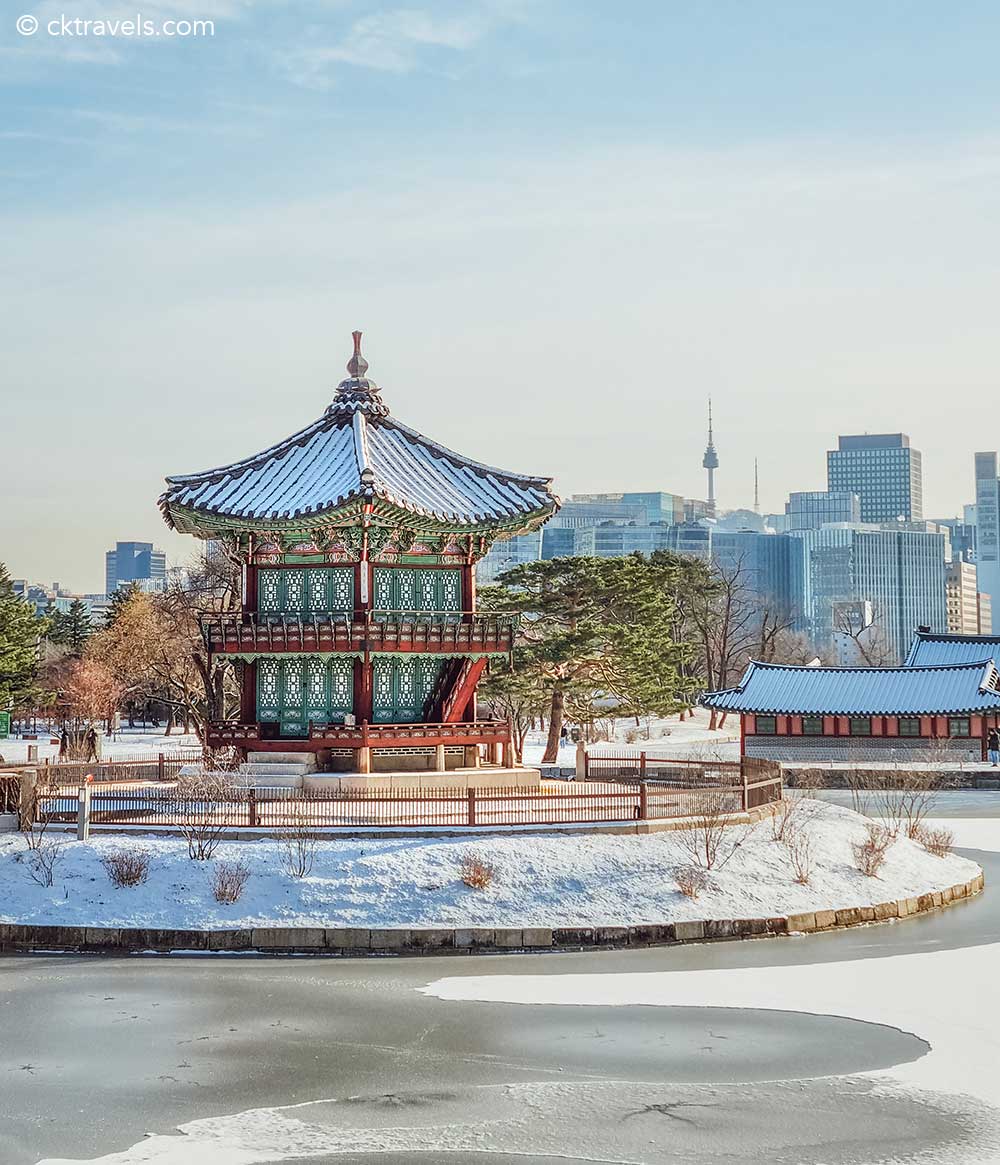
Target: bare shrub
(691, 880)
(298, 841)
(202, 805)
(43, 813)
(476, 873)
(800, 851)
(793, 811)
(938, 842)
(901, 799)
(43, 859)
(229, 880)
(870, 854)
(128, 866)
(709, 841)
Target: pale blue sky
(561, 226)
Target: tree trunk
(713, 719)
(556, 714)
(722, 720)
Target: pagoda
(358, 639)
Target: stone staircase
(276, 770)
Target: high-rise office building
(506, 554)
(134, 562)
(900, 572)
(814, 508)
(883, 471)
(988, 524)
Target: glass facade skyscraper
(900, 572)
(812, 509)
(885, 473)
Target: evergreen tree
(72, 628)
(21, 631)
(598, 629)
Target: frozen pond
(348, 1061)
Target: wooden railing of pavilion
(418, 631)
(365, 735)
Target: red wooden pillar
(363, 690)
(248, 694)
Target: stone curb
(344, 941)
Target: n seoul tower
(710, 462)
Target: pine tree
(70, 629)
(21, 631)
(118, 602)
(599, 629)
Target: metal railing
(754, 781)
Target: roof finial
(357, 366)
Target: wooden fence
(153, 805)
(758, 781)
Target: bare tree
(710, 840)
(200, 805)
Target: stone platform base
(484, 777)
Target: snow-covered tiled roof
(862, 691)
(357, 451)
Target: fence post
(83, 812)
(32, 754)
(643, 802)
(745, 790)
(27, 800)
(472, 805)
(160, 768)
(642, 766)
(252, 806)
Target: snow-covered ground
(541, 880)
(126, 744)
(658, 736)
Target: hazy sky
(561, 226)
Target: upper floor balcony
(427, 632)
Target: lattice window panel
(406, 589)
(291, 677)
(383, 590)
(295, 590)
(317, 690)
(427, 590)
(318, 587)
(342, 684)
(341, 589)
(450, 590)
(382, 695)
(269, 590)
(267, 689)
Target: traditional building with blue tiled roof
(358, 640)
(940, 711)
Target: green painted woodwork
(402, 685)
(404, 588)
(294, 690)
(329, 588)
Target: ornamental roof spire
(357, 365)
(358, 392)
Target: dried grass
(691, 880)
(476, 873)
